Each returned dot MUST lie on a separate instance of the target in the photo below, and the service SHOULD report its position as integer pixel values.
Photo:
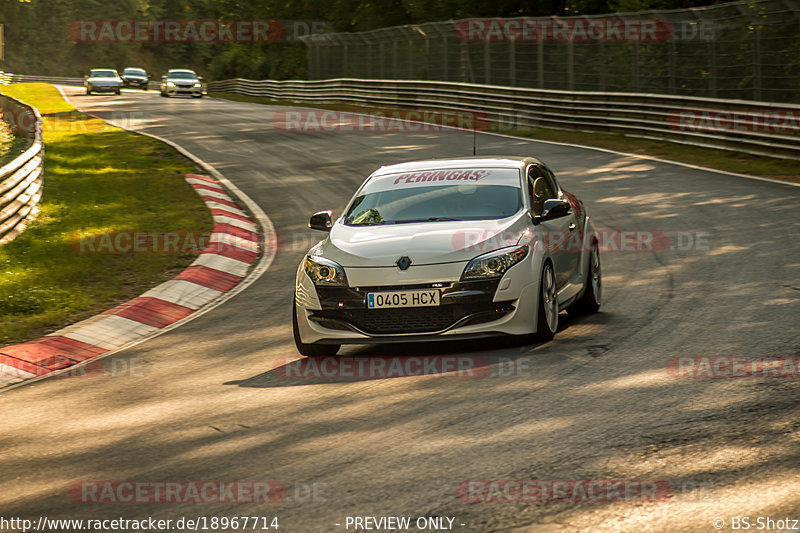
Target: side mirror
(553, 209)
(321, 221)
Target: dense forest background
(37, 40)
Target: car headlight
(494, 264)
(197, 85)
(325, 272)
(170, 84)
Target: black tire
(163, 94)
(88, 91)
(590, 301)
(144, 88)
(197, 95)
(545, 328)
(118, 92)
(310, 350)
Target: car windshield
(103, 74)
(438, 195)
(134, 72)
(182, 75)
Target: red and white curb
(233, 249)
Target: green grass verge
(768, 167)
(98, 179)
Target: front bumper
(178, 89)
(462, 303)
(135, 83)
(472, 309)
(104, 88)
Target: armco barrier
(21, 179)
(752, 127)
(7, 77)
(757, 128)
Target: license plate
(417, 298)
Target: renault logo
(403, 263)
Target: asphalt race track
(210, 401)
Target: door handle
(572, 226)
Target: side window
(540, 188)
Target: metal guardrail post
(540, 62)
(756, 63)
(487, 62)
(512, 61)
(570, 65)
(601, 65)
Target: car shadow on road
(465, 359)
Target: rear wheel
(117, 92)
(310, 350)
(590, 301)
(547, 317)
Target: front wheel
(310, 350)
(163, 94)
(197, 95)
(547, 317)
(88, 91)
(590, 301)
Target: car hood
(134, 77)
(425, 243)
(103, 80)
(183, 81)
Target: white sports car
(447, 249)
(102, 80)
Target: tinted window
(541, 187)
(430, 196)
(182, 75)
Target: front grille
(407, 320)
(410, 319)
(183, 86)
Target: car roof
(180, 70)
(461, 162)
(133, 68)
(109, 68)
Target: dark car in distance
(133, 77)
